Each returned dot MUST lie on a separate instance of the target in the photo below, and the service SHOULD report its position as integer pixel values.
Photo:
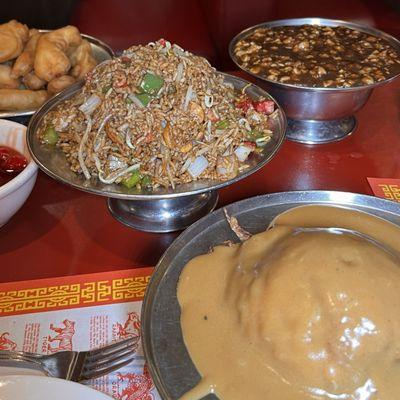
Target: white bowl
(15, 192)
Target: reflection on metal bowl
(317, 114)
(163, 209)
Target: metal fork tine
(113, 347)
(117, 363)
(99, 361)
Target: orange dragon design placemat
(79, 313)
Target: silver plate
(101, 52)
(168, 360)
(54, 163)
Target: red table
(62, 231)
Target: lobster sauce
(301, 311)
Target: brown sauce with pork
(317, 56)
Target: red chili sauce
(12, 162)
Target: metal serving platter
(168, 360)
(53, 161)
(162, 209)
(101, 52)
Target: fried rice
(158, 116)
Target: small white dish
(15, 192)
(20, 387)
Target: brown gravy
(298, 313)
(317, 56)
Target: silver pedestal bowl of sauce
(317, 114)
(161, 209)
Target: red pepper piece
(264, 107)
(245, 105)
(125, 60)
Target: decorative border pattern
(386, 188)
(72, 292)
(391, 192)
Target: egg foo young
(309, 309)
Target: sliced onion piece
(115, 164)
(128, 140)
(208, 135)
(197, 167)
(208, 100)
(227, 167)
(90, 104)
(81, 147)
(116, 174)
(229, 85)
(188, 97)
(245, 123)
(185, 166)
(136, 100)
(123, 127)
(96, 141)
(243, 151)
(179, 72)
(97, 163)
(178, 50)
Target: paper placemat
(80, 313)
(386, 188)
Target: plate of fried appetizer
(37, 64)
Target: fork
(73, 365)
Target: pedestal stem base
(163, 215)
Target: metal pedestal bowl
(317, 114)
(160, 210)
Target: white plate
(21, 387)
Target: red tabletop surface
(62, 231)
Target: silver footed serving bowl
(162, 209)
(317, 114)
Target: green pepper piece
(223, 124)
(146, 181)
(128, 100)
(50, 136)
(133, 180)
(106, 89)
(151, 84)
(144, 98)
(255, 134)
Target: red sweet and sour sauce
(12, 162)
